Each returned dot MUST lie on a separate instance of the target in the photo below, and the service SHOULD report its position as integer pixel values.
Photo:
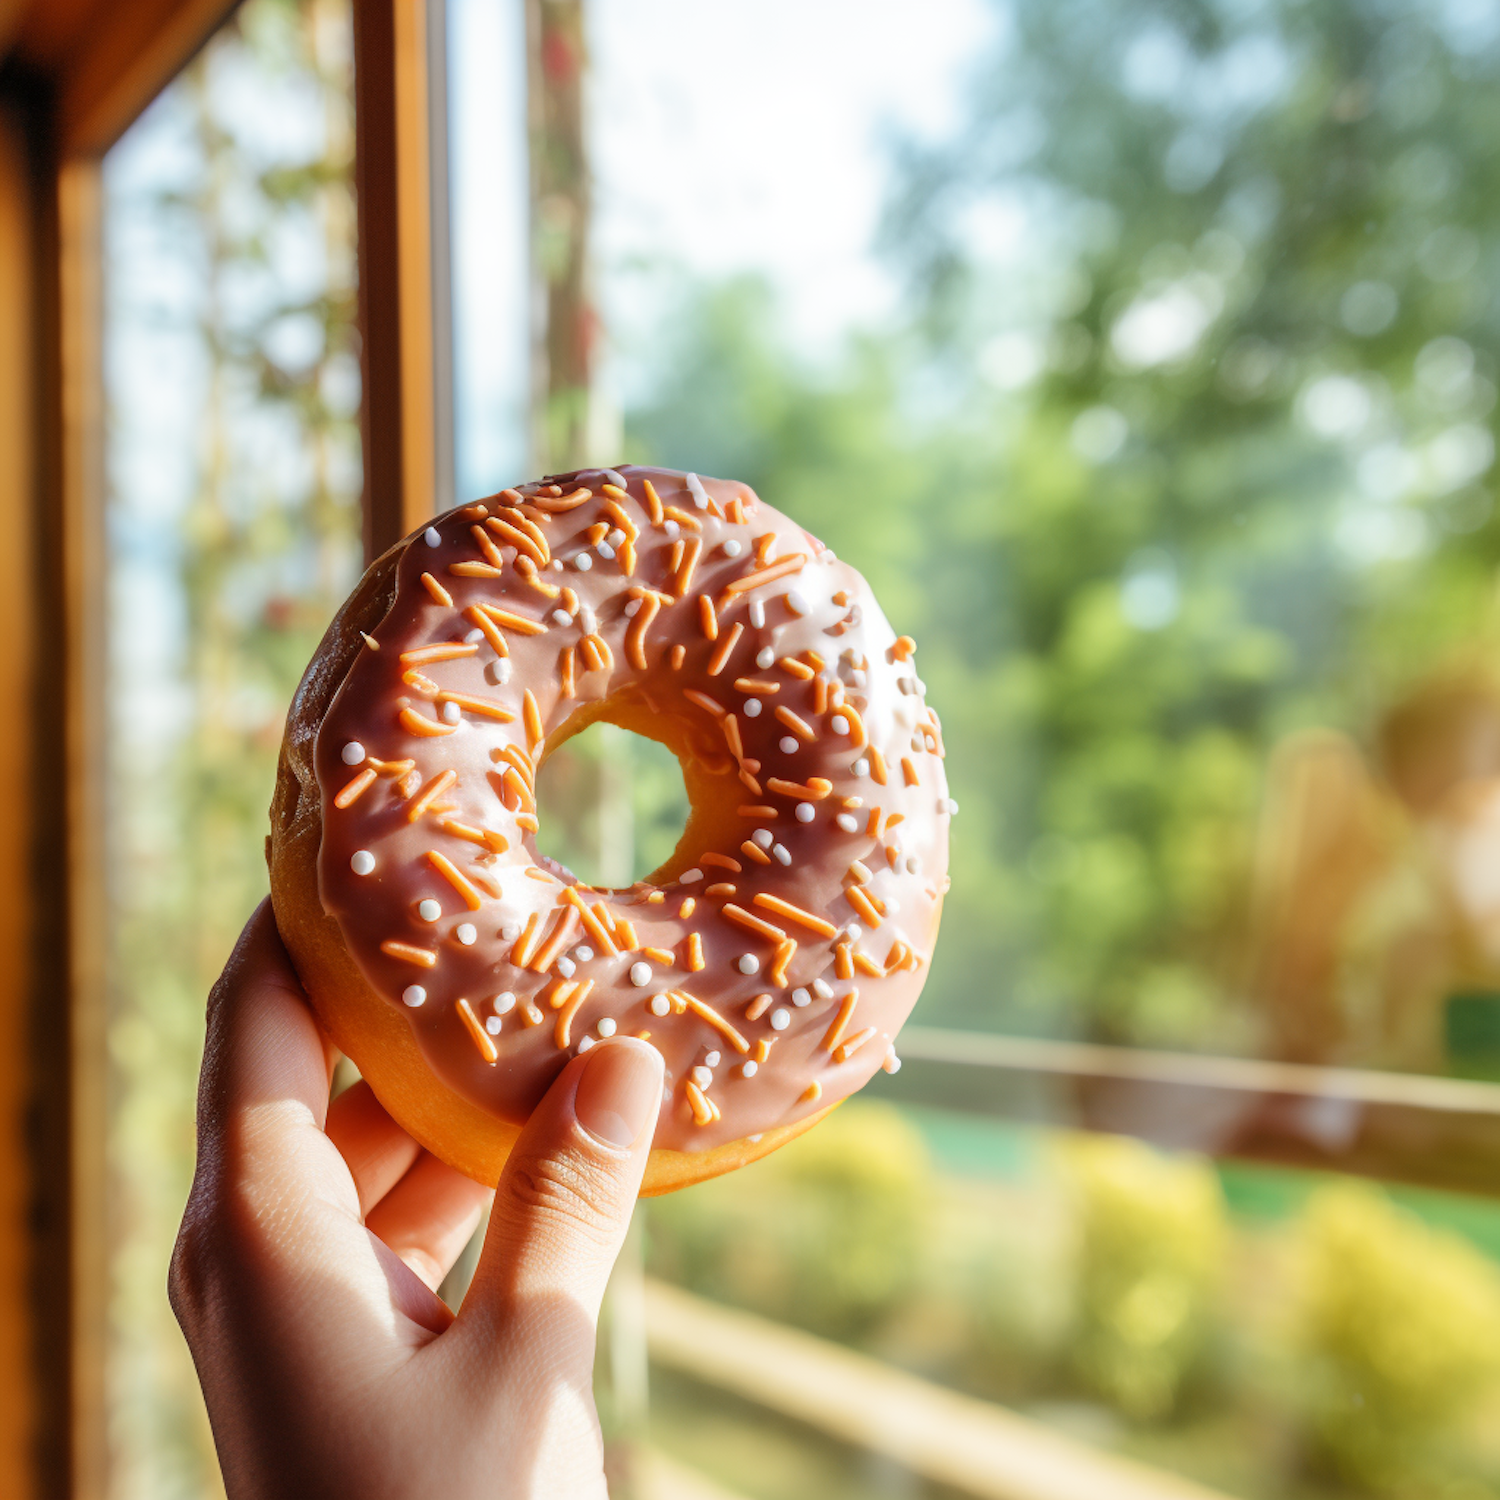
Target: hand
(305, 1271)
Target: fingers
(428, 1216)
(566, 1195)
(379, 1152)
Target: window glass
(234, 477)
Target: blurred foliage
(234, 519)
(1185, 444)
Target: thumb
(564, 1202)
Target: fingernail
(620, 1091)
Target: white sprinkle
(748, 1068)
(696, 490)
(913, 865)
(891, 1063)
(494, 1025)
(920, 686)
(606, 1026)
(584, 1043)
(362, 862)
(822, 989)
(747, 963)
(765, 657)
(497, 672)
(702, 1076)
(691, 877)
(800, 997)
(640, 977)
(764, 837)
(583, 953)
(950, 807)
(861, 767)
(566, 967)
(788, 744)
(752, 708)
(605, 551)
(805, 812)
(758, 613)
(414, 995)
(612, 477)
(557, 565)
(352, 753)
(474, 637)
(588, 619)
(853, 931)
(431, 537)
(452, 713)
(561, 617)
(857, 677)
(756, 1138)
(584, 561)
(467, 933)
(782, 853)
(504, 1003)
(672, 528)
(848, 822)
(796, 602)
(839, 724)
(632, 608)
(660, 1005)
(711, 1060)
(615, 537)
(732, 548)
(780, 1019)
(429, 910)
(511, 931)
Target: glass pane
(234, 473)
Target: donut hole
(611, 804)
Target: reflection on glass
(234, 469)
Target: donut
(772, 959)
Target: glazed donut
(775, 955)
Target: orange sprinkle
(755, 810)
(626, 557)
(409, 783)
(565, 671)
(625, 935)
(763, 1047)
(877, 766)
(438, 592)
(351, 790)
(492, 554)
(613, 508)
(520, 539)
(596, 928)
(565, 502)
(855, 1042)
(903, 648)
(835, 1032)
(867, 965)
(843, 961)
(892, 855)
(682, 517)
(527, 569)
(430, 793)
(677, 655)
(755, 852)
(751, 923)
(812, 1093)
(477, 616)
(731, 727)
(736, 510)
(858, 737)
(512, 621)
(423, 958)
(694, 959)
(663, 956)
(597, 532)
(757, 1007)
(807, 919)
(568, 1010)
(485, 707)
(813, 660)
(558, 939)
(723, 649)
(820, 696)
(455, 877)
(756, 685)
(722, 860)
(800, 727)
(532, 717)
(815, 789)
(392, 767)
(443, 651)
(655, 898)
(719, 889)
(496, 842)
(690, 557)
(863, 905)
(707, 617)
(687, 908)
(419, 724)
(514, 790)
(525, 945)
(763, 544)
(419, 680)
(635, 637)
(784, 953)
(474, 570)
(707, 1013)
(908, 770)
(521, 761)
(792, 564)
(751, 784)
(527, 821)
(528, 1009)
(703, 701)
(482, 1039)
(872, 823)
(859, 873)
(703, 1113)
(676, 556)
(796, 668)
(653, 502)
(532, 873)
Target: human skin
(305, 1271)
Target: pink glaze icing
(426, 770)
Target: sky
(725, 138)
